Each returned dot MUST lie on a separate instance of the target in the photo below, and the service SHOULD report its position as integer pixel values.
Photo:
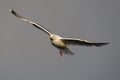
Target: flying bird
(58, 41)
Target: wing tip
(15, 13)
(12, 11)
(101, 44)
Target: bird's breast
(59, 43)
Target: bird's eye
(51, 38)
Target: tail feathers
(67, 51)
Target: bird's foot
(61, 54)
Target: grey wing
(33, 23)
(81, 42)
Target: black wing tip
(12, 11)
(15, 13)
(101, 44)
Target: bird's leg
(61, 54)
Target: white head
(54, 36)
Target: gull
(58, 41)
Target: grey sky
(27, 54)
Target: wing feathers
(82, 42)
(31, 22)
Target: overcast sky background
(27, 54)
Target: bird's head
(54, 36)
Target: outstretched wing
(31, 22)
(81, 42)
